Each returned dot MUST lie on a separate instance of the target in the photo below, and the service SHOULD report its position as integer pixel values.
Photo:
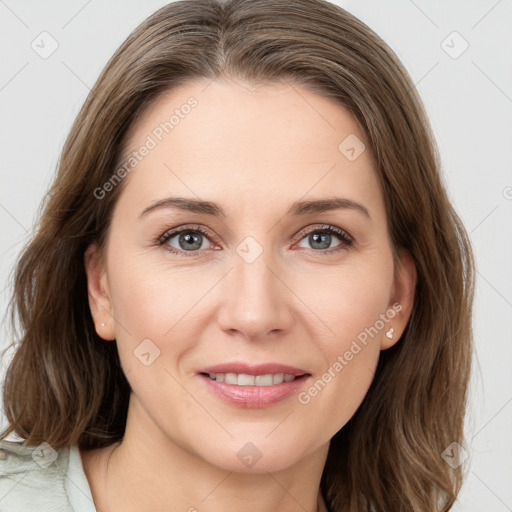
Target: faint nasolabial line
(13, 13)
(492, 81)
(89, 88)
(486, 14)
(194, 305)
(506, 505)
(199, 403)
(14, 76)
(301, 300)
(76, 14)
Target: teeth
(230, 378)
(245, 380)
(278, 378)
(242, 379)
(264, 380)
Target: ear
(402, 299)
(98, 290)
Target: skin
(254, 151)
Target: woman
(248, 288)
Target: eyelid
(171, 233)
(343, 234)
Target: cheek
(151, 293)
(349, 304)
(150, 303)
(336, 394)
(142, 302)
(150, 309)
(345, 300)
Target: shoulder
(32, 477)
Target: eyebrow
(298, 208)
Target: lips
(253, 388)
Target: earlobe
(99, 293)
(402, 299)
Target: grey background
(468, 99)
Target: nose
(258, 303)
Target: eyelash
(345, 238)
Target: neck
(147, 469)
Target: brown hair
(65, 385)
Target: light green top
(41, 479)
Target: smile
(243, 379)
(253, 391)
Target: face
(275, 261)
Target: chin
(254, 454)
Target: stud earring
(389, 334)
(102, 324)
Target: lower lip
(254, 396)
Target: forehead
(233, 140)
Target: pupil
(324, 237)
(192, 241)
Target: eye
(186, 239)
(322, 237)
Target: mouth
(258, 386)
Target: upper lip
(258, 369)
